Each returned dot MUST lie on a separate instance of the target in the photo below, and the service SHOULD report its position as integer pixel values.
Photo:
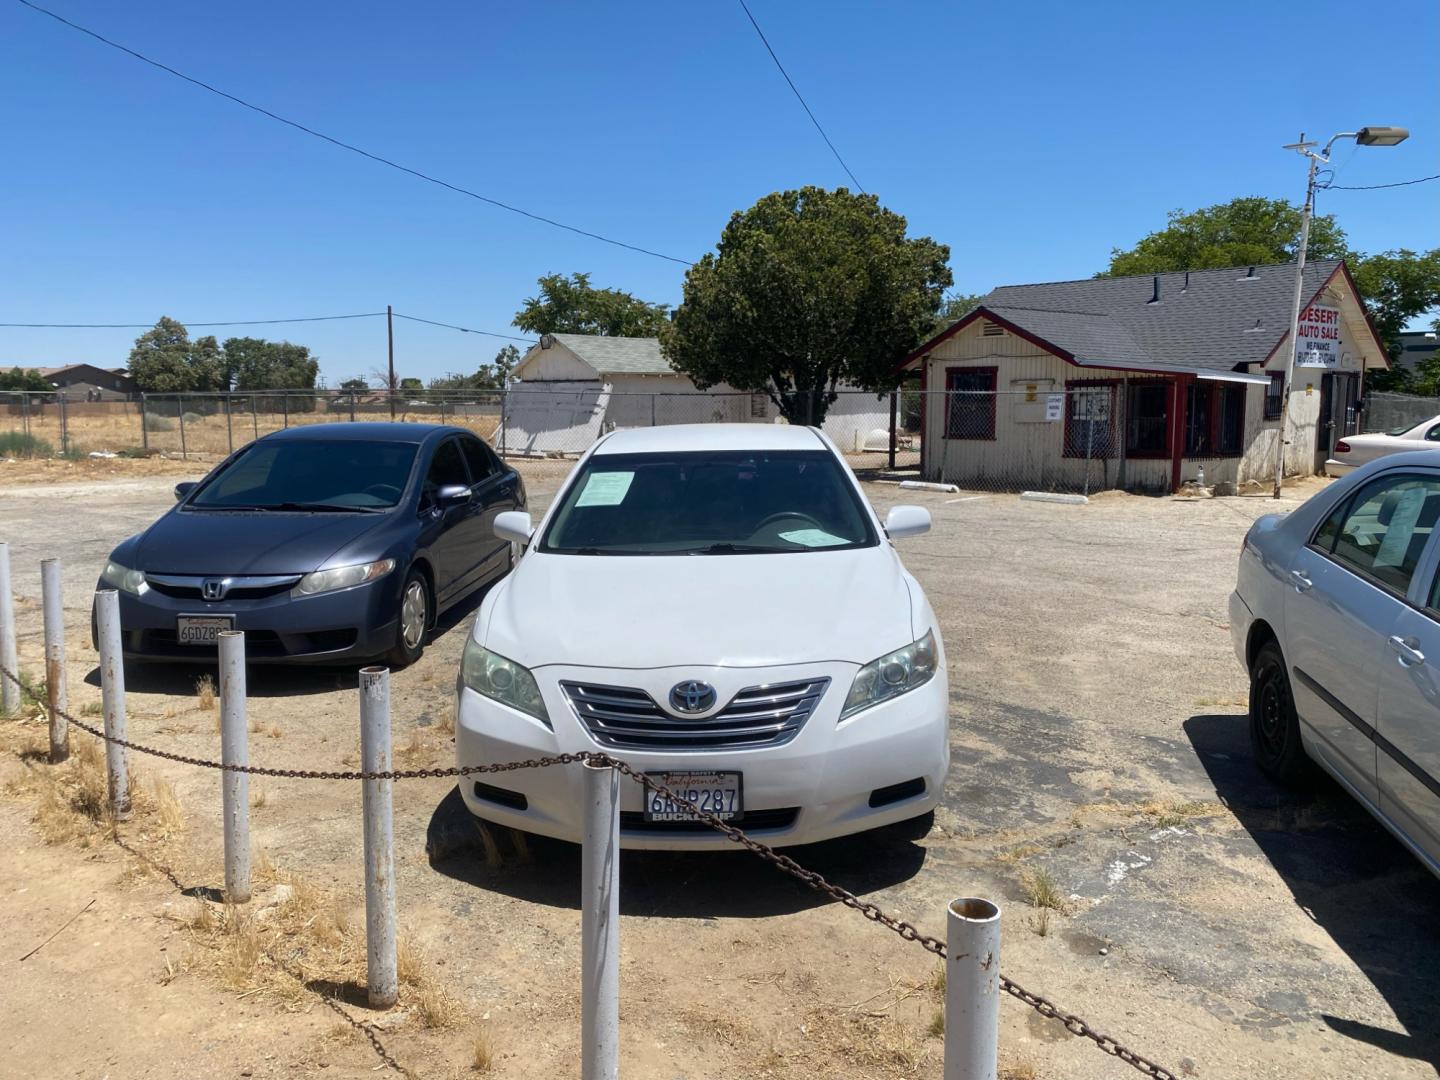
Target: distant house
(1143, 381)
(87, 382)
(1416, 345)
(572, 388)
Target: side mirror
(452, 495)
(514, 525)
(184, 488)
(907, 521)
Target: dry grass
(1018, 1069)
(482, 1052)
(72, 803)
(169, 814)
(258, 798)
(1040, 922)
(436, 1009)
(936, 1027)
(205, 691)
(413, 748)
(409, 962)
(872, 1042)
(92, 708)
(1019, 853)
(1167, 814)
(1042, 891)
(446, 724)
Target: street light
(1366, 136)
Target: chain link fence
(1392, 412)
(877, 432)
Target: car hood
(195, 542)
(713, 610)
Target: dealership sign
(1319, 337)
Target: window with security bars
(1214, 419)
(759, 406)
(1090, 419)
(1273, 394)
(1147, 419)
(970, 403)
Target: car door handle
(1301, 581)
(1409, 654)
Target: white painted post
(56, 696)
(380, 967)
(600, 926)
(234, 750)
(9, 643)
(972, 989)
(112, 698)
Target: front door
(1325, 424)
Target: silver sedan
(1336, 616)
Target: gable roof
(616, 355)
(1196, 320)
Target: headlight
(892, 675)
(342, 577)
(124, 579)
(502, 680)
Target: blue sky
(1031, 138)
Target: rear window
(709, 503)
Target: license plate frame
(188, 629)
(702, 786)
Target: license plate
(720, 793)
(202, 629)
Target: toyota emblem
(692, 697)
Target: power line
(798, 96)
(1377, 187)
(147, 326)
(355, 149)
(462, 329)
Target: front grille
(752, 821)
(629, 719)
(187, 587)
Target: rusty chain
(1074, 1024)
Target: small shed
(1143, 381)
(572, 388)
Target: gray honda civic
(328, 543)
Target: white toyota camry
(718, 605)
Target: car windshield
(339, 474)
(1401, 430)
(709, 503)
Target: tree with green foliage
(1397, 286)
(573, 306)
(808, 289)
(18, 378)
(165, 360)
(1249, 231)
(257, 364)
(492, 376)
(355, 384)
(953, 308)
(412, 386)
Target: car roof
(673, 438)
(365, 431)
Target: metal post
(112, 697)
(390, 340)
(1089, 437)
(234, 750)
(144, 431)
(504, 398)
(380, 967)
(64, 426)
(894, 417)
(652, 410)
(180, 409)
(254, 417)
(1294, 323)
(56, 696)
(229, 433)
(352, 406)
(9, 646)
(285, 410)
(972, 989)
(600, 926)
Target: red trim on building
(999, 320)
(1369, 322)
(1177, 429)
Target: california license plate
(718, 793)
(202, 629)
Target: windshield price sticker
(813, 538)
(605, 489)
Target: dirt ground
(1151, 881)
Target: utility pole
(390, 336)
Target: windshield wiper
(741, 549)
(321, 507)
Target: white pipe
(57, 696)
(972, 989)
(234, 750)
(600, 926)
(112, 698)
(376, 796)
(926, 485)
(9, 649)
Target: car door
(494, 489)
(448, 530)
(1348, 586)
(1408, 736)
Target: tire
(412, 623)
(1274, 724)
